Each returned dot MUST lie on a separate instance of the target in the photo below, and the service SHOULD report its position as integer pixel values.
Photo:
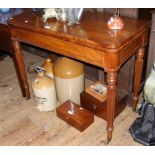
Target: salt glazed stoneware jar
(48, 66)
(69, 79)
(44, 92)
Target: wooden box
(98, 107)
(100, 96)
(75, 115)
(93, 104)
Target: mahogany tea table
(90, 41)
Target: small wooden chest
(93, 104)
(75, 115)
(99, 108)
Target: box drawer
(97, 107)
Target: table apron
(60, 46)
(133, 46)
(103, 59)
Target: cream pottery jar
(69, 79)
(44, 92)
(48, 66)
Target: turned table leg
(20, 69)
(111, 101)
(137, 76)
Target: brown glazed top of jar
(67, 68)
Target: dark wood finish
(90, 41)
(80, 119)
(5, 38)
(100, 108)
(96, 106)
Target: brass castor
(107, 141)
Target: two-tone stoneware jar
(44, 92)
(48, 66)
(69, 79)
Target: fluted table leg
(137, 76)
(20, 69)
